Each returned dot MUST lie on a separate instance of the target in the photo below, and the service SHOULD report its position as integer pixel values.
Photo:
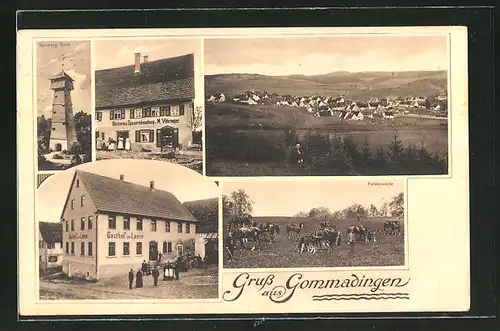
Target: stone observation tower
(62, 132)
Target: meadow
(387, 251)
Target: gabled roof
(117, 196)
(161, 80)
(61, 74)
(50, 232)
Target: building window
(146, 112)
(179, 227)
(167, 226)
(72, 204)
(67, 247)
(188, 229)
(174, 110)
(89, 226)
(103, 135)
(111, 249)
(155, 111)
(51, 245)
(126, 248)
(72, 225)
(126, 223)
(181, 110)
(90, 248)
(132, 114)
(139, 224)
(144, 136)
(111, 222)
(72, 248)
(67, 226)
(164, 247)
(138, 248)
(82, 201)
(117, 114)
(82, 248)
(153, 225)
(167, 247)
(98, 116)
(165, 111)
(138, 113)
(77, 183)
(82, 223)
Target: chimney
(152, 185)
(146, 58)
(122, 177)
(137, 66)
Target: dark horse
(244, 233)
(330, 236)
(294, 228)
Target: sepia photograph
(63, 83)
(327, 106)
(314, 226)
(127, 229)
(147, 105)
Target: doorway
(180, 250)
(167, 137)
(153, 251)
(58, 147)
(120, 143)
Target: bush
(76, 148)
(58, 157)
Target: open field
(360, 85)
(193, 284)
(388, 251)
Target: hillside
(206, 212)
(362, 85)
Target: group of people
(110, 144)
(170, 271)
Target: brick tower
(62, 132)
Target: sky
(167, 176)
(315, 56)
(288, 197)
(120, 52)
(76, 63)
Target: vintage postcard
(243, 171)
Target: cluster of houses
(338, 106)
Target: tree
(337, 215)
(320, 213)
(396, 206)
(384, 209)
(83, 132)
(301, 214)
(372, 211)
(241, 204)
(396, 149)
(197, 120)
(227, 205)
(355, 211)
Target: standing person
(156, 274)
(99, 143)
(159, 257)
(130, 278)
(127, 144)
(177, 266)
(120, 143)
(229, 245)
(351, 241)
(144, 267)
(138, 280)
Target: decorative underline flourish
(366, 296)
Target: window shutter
(151, 136)
(131, 113)
(181, 110)
(158, 138)
(175, 141)
(110, 114)
(137, 136)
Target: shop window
(165, 111)
(72, 225)
(174, 110)
(167, 226)
(144, 136)
(82, 201)
(72, 248)
(111, 248)
(146, 112)
(181, 110)
(126, 223)
(89, 225)
(138, 113)
(188, 229)
(82, 248)
(179, 227)
(82, 224)
(98, 116)
(90, 248)
(138, 248)
(153, 225)
(126, 249)
(139, 224)
(111, 222)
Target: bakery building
(110, 225)
(148, 105)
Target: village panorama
(321, 107)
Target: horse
(294, 228)
(308, 243)
(360, 231)
(244, 233)
(331, 237)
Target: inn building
(110, 226)
(148, 102)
